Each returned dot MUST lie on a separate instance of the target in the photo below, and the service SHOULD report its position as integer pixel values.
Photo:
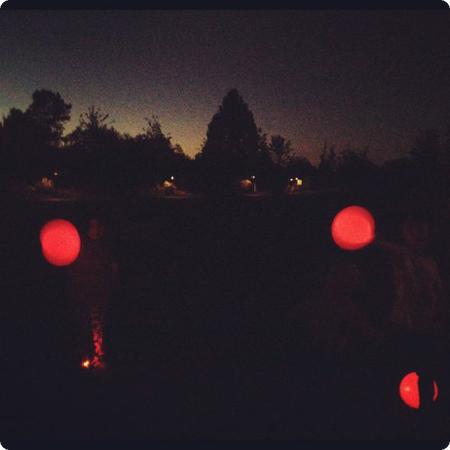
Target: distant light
(291, 179)
(253, 177)
(353, 228)
(299, 181)
(172, 178)
(60, 242)
(55, 173)
(245, 184)
(86, 364)
(410, 393)
(47, 183)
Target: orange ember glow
(60, 242)
(97, 360)
(86, 364)
(353, 228)
(410, 393)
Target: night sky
(368, 77)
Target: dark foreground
(198, 340)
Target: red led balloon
(353, 228)
(410, 393)
(60, 242)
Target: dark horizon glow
(358, 77)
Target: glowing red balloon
(410, 393)
(353, 228)
(60, 242)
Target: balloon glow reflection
(96, 324)
(97, 337)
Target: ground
(197, 335)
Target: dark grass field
(197, 335)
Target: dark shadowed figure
(420, 313)
(91, 283)
(388, 289)
(382, 313)
(420, 306)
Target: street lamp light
(254, 182)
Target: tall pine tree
(231, 149)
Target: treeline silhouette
(98, 157)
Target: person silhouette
(420, 314)
(383, 311)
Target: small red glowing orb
(60, 242)
(353, 228)
(410, 393)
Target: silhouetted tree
(426, 148)
(424, 170)
(92, 130)
(428, 161)
(300, 166)
(355, 170)
(328, 166)
(158, 157)
(231, 149)
(49, 112)
(280, 149)
(446, 163)
(328, 159)
(30, 139)
(17, 153)
(95, 148)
